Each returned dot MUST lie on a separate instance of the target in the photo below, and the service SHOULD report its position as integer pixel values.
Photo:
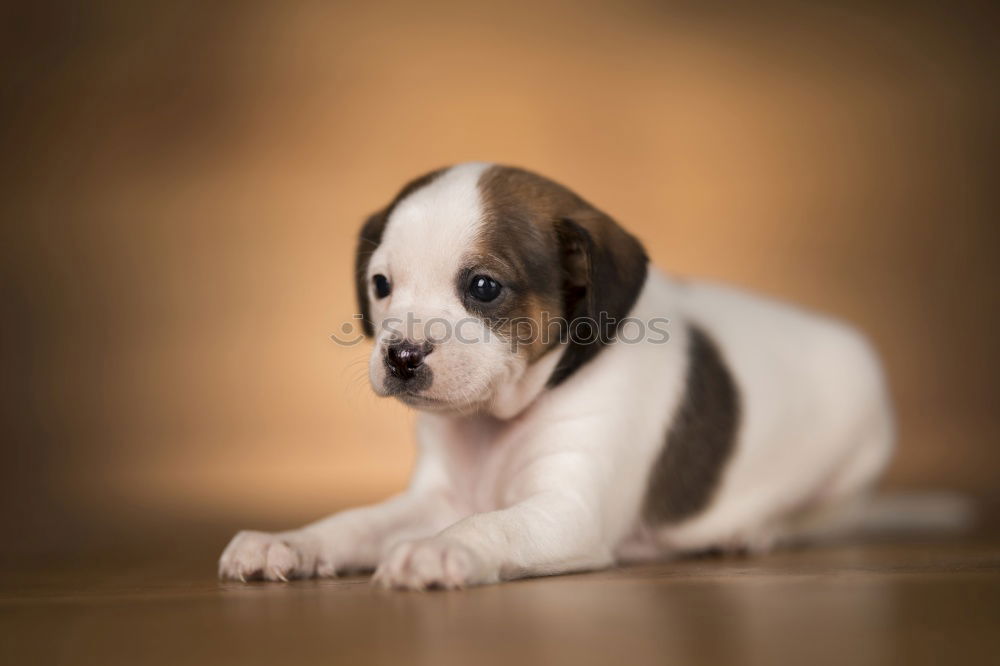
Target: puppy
(578, 407)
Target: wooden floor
(904, 603)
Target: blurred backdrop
(181, 184)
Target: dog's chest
(482, 458)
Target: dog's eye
(484, 288)
(382, 287)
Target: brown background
(182, 183)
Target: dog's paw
(263, 556)
(436, 562)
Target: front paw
(264, 556)
(437, 562)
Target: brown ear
(604, 269)
(368, 242)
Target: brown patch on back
(700, 440)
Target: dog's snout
(403, 358)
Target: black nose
(403, 358)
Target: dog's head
(482, 284)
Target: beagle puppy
(578, 407)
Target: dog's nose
(403, 358)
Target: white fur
(515, 480)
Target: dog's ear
(368, 242)
(604, 269)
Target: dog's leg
(546, 534)
(557, 522)
(351, 540)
